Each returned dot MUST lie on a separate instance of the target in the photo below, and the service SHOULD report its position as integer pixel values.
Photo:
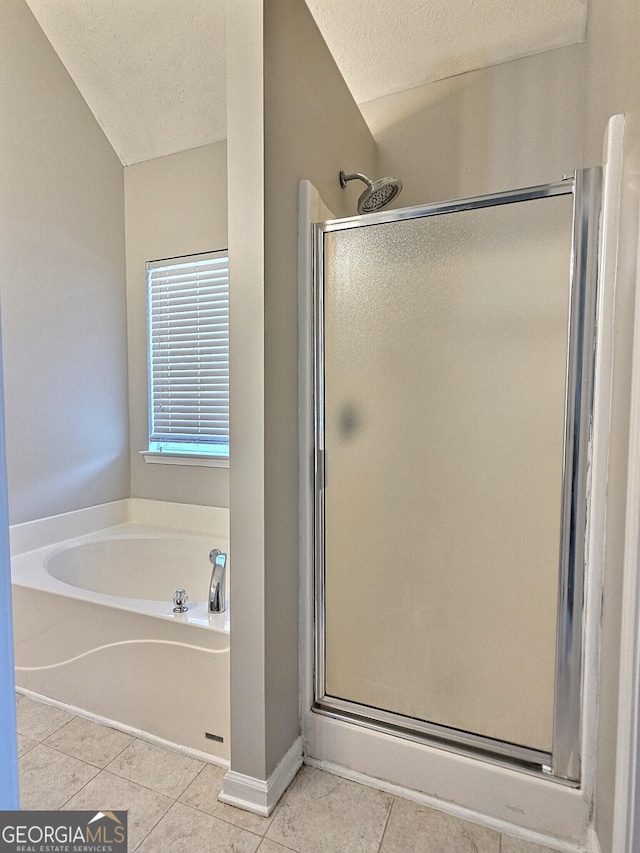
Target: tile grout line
(102, 770)
(74, 757)
(213, 817)
(279, 843)
(92, 766)
(121, 751)
(162, 816)
(60, 808)
(155, 791)
(105, 728)
(68, 755)
(139, 784)
(189, 785)
(386, 823)
(222, 820)
(113, 773)
(48, 734)
(35, 743)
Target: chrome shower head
(377, 194)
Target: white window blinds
(188, 316)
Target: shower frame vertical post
(567, 728)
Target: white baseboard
(593, 842)
(261, 796)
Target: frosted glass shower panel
(445, 351)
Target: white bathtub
(94, 624)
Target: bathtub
(94, 625)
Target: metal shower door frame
(563, 763)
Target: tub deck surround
(128, 566)
(186, 518)
(94, 620)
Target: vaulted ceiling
(153, 71)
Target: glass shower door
(443, 342)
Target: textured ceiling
(153, 71)
(385, 46)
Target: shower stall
(453, 375)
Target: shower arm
(355, 176)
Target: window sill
(156, 457)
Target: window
(188, 326)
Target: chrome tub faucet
(217, 598)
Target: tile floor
(69, 762)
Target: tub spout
(217, 601)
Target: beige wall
(175, 205)
(499, 128)
(613, 86)
(61, 285)
(312, 129)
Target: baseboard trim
(260, 796)
(454, 810)
(593, 842)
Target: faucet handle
(180, 599)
